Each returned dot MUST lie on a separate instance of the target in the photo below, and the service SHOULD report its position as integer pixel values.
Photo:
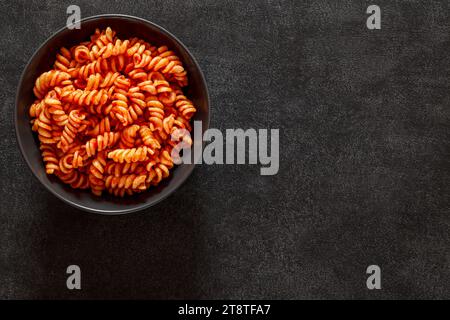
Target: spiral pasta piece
(63, 60)
(101, 142)
(130, 155)
(45, 127)
(148, 138)
(132, 181)
(156, 112)
(50, 158)
(96, 174)
(184, 105)
(86, 98)
(49, 80)
(71, 129)
(75, 179)
(114, 64)
(56, 110)
(165, 62)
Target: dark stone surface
(365, 161)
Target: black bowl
(42, 60)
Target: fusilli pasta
(105, 113)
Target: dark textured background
(365, 160)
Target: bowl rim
(138, 207)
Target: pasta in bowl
(104, 113)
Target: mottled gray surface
(365, 161)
